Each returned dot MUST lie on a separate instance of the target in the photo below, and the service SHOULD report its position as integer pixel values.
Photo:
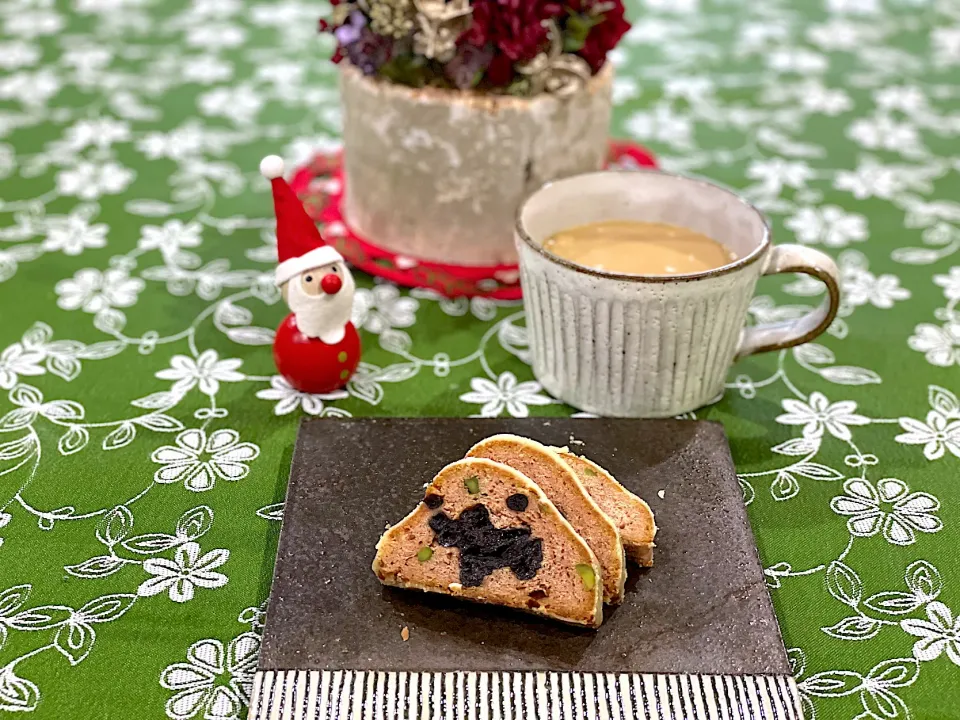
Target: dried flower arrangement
(518, 47)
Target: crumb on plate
(405, 633)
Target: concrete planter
(439, 174)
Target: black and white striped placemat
(373, 695)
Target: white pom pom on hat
(271, 167)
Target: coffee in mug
(650, 344)
(639, 248)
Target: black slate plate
(702, 610)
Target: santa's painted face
(327, 280)
(322, 299)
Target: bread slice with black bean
(487, 533)
(545, 467)
(632, 516)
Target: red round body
(311, 365)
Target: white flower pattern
(505, 393)
(862, 287)
(950, 283)
(171, 237)
(180, 577)
(288, 398)
(89, 181)
(890, 508)
(939, 344)
(74, 234)
(938, 435)
(818, 415)
(830, 225)
(213, 684)
(198, 460)
(382, 308)
(206, 372)
(16, 360)
(939, 634)
(92, 291)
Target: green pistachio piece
(590, 471)
(472, 484)
(587, 574)
(424, 554)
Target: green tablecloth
(145, 443)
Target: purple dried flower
(350, 31)
(369, 52)
(465, 68)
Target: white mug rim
(730, 267)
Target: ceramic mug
(627, 345)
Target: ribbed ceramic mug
(652, 345)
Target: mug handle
(787, 333)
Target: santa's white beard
(322, 316)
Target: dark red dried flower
(603, 36)
(514, 28)
(370, 52)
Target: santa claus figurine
(317, 348)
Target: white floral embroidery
(938, 435)
(93, 291)
(940, 345)
(101, 132)
(872, 179)
(73, 234)
(212, 684)
(819, 414)
(240, 103)
(16, 54)
(816, 98)
(207, 371)
(946, 46)
(861, 287)
(198, 460)
(30, 88)
(505, 393)
(662, 124)
(289, 398)
(624, 89)
(382, 308)
(207, 70)
(255, 617)
(889, 507)
(950, 283)
(88, 180)
(32, 23)
(938, 634)
(210, 36)
(169, 238)
(884, 133)
(796, 60)
(775, 173)
(188, 570)
(839, 33)
(853, 7)
(17, 360)
(189, 140)
(830, 225)
(907, 99)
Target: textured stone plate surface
(703, 608)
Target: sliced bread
(485, 532)
(560, 483)
(630, 514)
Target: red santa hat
(299, 244)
